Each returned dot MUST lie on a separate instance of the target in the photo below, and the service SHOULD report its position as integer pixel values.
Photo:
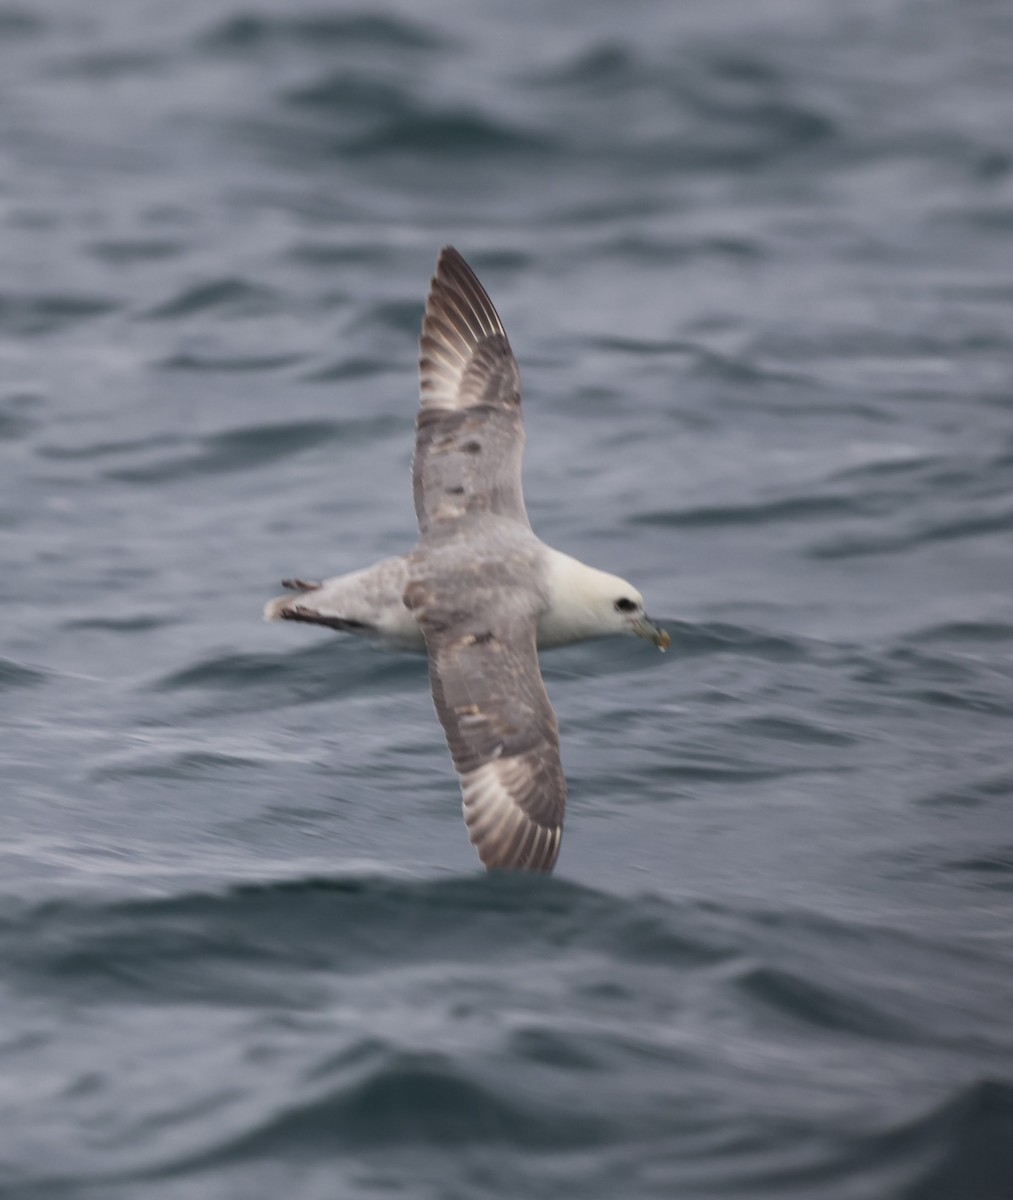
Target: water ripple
(236, 296)
(221, 453)
(35, 315)
(345, 31)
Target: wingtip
(454, 271)
(456, 296)
(448, 253)
(448, 259)
(458, 317)
(505, 835)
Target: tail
(367, 602)
(305, 606)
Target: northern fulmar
(480, 593)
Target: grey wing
(502, 733)
(469, 433)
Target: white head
(585, 603)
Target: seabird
(480, 593)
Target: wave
(228, 295)
(245, 31)
(28, 315)
(366, 1016)
(18, 675)
(347, 924)
(233, 450)
(325, 669)
(721, 637)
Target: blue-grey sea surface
(756, 259)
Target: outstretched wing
(470, 433)
(501, 730)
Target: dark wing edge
(505, 835)
(464, 354)
(504, 740)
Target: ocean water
(756, 260)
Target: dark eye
(625, 605)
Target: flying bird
(480, 594)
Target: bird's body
(480, 593)
(370, 602)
